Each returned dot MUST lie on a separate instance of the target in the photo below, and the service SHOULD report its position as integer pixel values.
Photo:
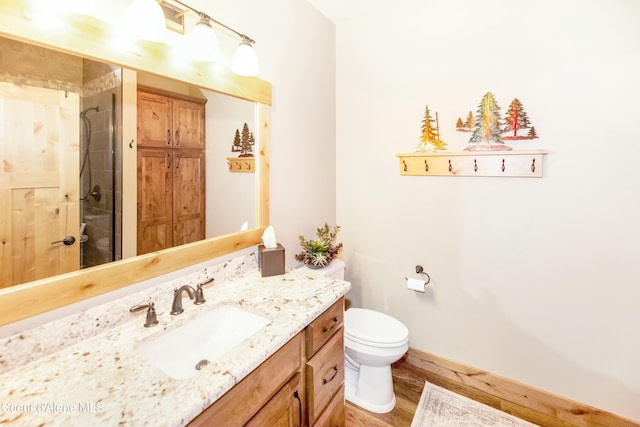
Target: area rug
(439, 407)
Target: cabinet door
(284, 409)
(154, 200)
(188, 196)
(188, 124)
(239, 405)
(154, 120)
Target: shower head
(86, 110)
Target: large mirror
(233, 200)
(33, 78)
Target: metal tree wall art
(490, 130)
(516, 119)
(486, 134)
(430, 133)
(465, 126)
(244, 144)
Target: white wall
(537, 280)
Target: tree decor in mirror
(90, 37)
(243, 145)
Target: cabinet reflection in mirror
(61, 143)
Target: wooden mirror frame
(87, 36)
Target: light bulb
(145, 19)
(202, 43)
(245, 61)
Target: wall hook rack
(473, 163)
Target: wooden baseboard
(520, 400)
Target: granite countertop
(103, 380)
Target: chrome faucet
(176, 306)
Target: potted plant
(320, 252)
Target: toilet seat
(369, 327)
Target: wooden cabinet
(285, 409)
(171, 172)
(302, 384)
(325, 368)
(168, 122)
(273, 392)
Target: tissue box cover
(271, 260)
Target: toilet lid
(369, 326)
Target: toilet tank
(335, 269)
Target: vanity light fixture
(204, 44)
(145, 19)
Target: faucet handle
(199, 295)
(151, 319)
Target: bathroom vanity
(290, 371)
(277, 393)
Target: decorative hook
(248, 165)
(533, 164)
(475, 165)
(426, 166)
(405, 165)
(503, 167)
(450, 166)
(131, 144)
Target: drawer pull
(334, 372)
(334, 322)
(297, 396)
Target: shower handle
(68, 241)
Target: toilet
(372, 341)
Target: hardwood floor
(533, 405)
(408, 383)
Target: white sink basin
(205, 338)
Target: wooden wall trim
(523, 401)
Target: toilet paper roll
(417, 285)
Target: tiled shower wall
(101, 89)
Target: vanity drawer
(325, 375)
(334, 415)
(320, 330)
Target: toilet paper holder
(420, 270)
